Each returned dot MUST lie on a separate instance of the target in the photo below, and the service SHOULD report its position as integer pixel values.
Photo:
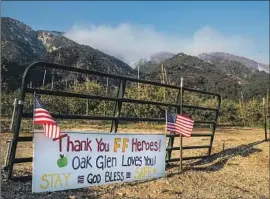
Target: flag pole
(181, 138)
(34, 107)
(265, 120)
(166, 118)
(166, 123)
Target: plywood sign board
(87, 159)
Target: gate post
(213, 126)
(14, 140)
(118, 105)
(17, 125)
(180, 110)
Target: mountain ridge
(228, 78)
(221, 56)
(21, 46)
(214, 57)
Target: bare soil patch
(237, 168)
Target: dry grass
(237, 168)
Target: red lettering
(134, 143)
(78, 145)
(151, 145)
(140, 148)
(60, 141)
(69, 143)
(143, 145)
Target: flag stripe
(51, 131)
(39, 114)
(185, 117)
(45, 117)
(185, 131)
(188, 128)
(184, 122)
(41, 110)
(42, 120)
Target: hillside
(21, 46)
(219, 57)
(228, 78)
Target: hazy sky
(132, 30)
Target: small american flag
(180, 124)
(42, 116)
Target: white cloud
(132, 42)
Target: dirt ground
(237, 168)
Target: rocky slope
(19, 43)
(21, 46)
(220, 57)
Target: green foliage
(7, 100)
(248, 113)
(228, 78)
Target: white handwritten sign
(87, 159)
